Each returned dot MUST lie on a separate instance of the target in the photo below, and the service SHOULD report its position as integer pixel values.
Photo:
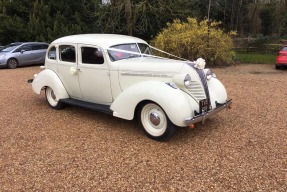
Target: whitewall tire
(52, 99)
(155, 122)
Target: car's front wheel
(155, 122)
(52, 99)
(12, 63)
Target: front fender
(176, 103)
(217, 92)
(48, 78)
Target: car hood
(150, 65)
(135, 70)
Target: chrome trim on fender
(204, 115)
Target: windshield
(125, 51)
(145, 49)
(10, 47)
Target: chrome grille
(204, 81)
(199, 90)
(196, 90)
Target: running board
(93, 106)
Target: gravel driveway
(76, 149)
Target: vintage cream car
(121, 76)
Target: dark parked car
(281, 59)
(20, 54)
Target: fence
(261, 45)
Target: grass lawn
(258, 58)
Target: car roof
(21, 43)
(103, 40)
(32, 42)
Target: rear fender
(48, 78)
(176, 103)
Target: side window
(67, 53)
(91, 55)
(37, 47)
(24, 48)
(52, 53)
(45, 46)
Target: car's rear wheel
(155, 122)
(52, 99)
(277, 67)
(12, 63)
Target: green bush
(191, 40)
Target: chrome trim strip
(204, 115)
(146, 74)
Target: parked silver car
(20, 54)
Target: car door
(23, 54)
(38, 53)
(94, 75)
(67, 68)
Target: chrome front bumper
(204, 115)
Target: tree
(42, 20)
(143, 18)
(45, 20)
(266, 16)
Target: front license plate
(203, 105)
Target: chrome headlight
(182, 80)
(187, 80)
(210, 74)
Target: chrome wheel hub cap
(53, 95)
(154, 118)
